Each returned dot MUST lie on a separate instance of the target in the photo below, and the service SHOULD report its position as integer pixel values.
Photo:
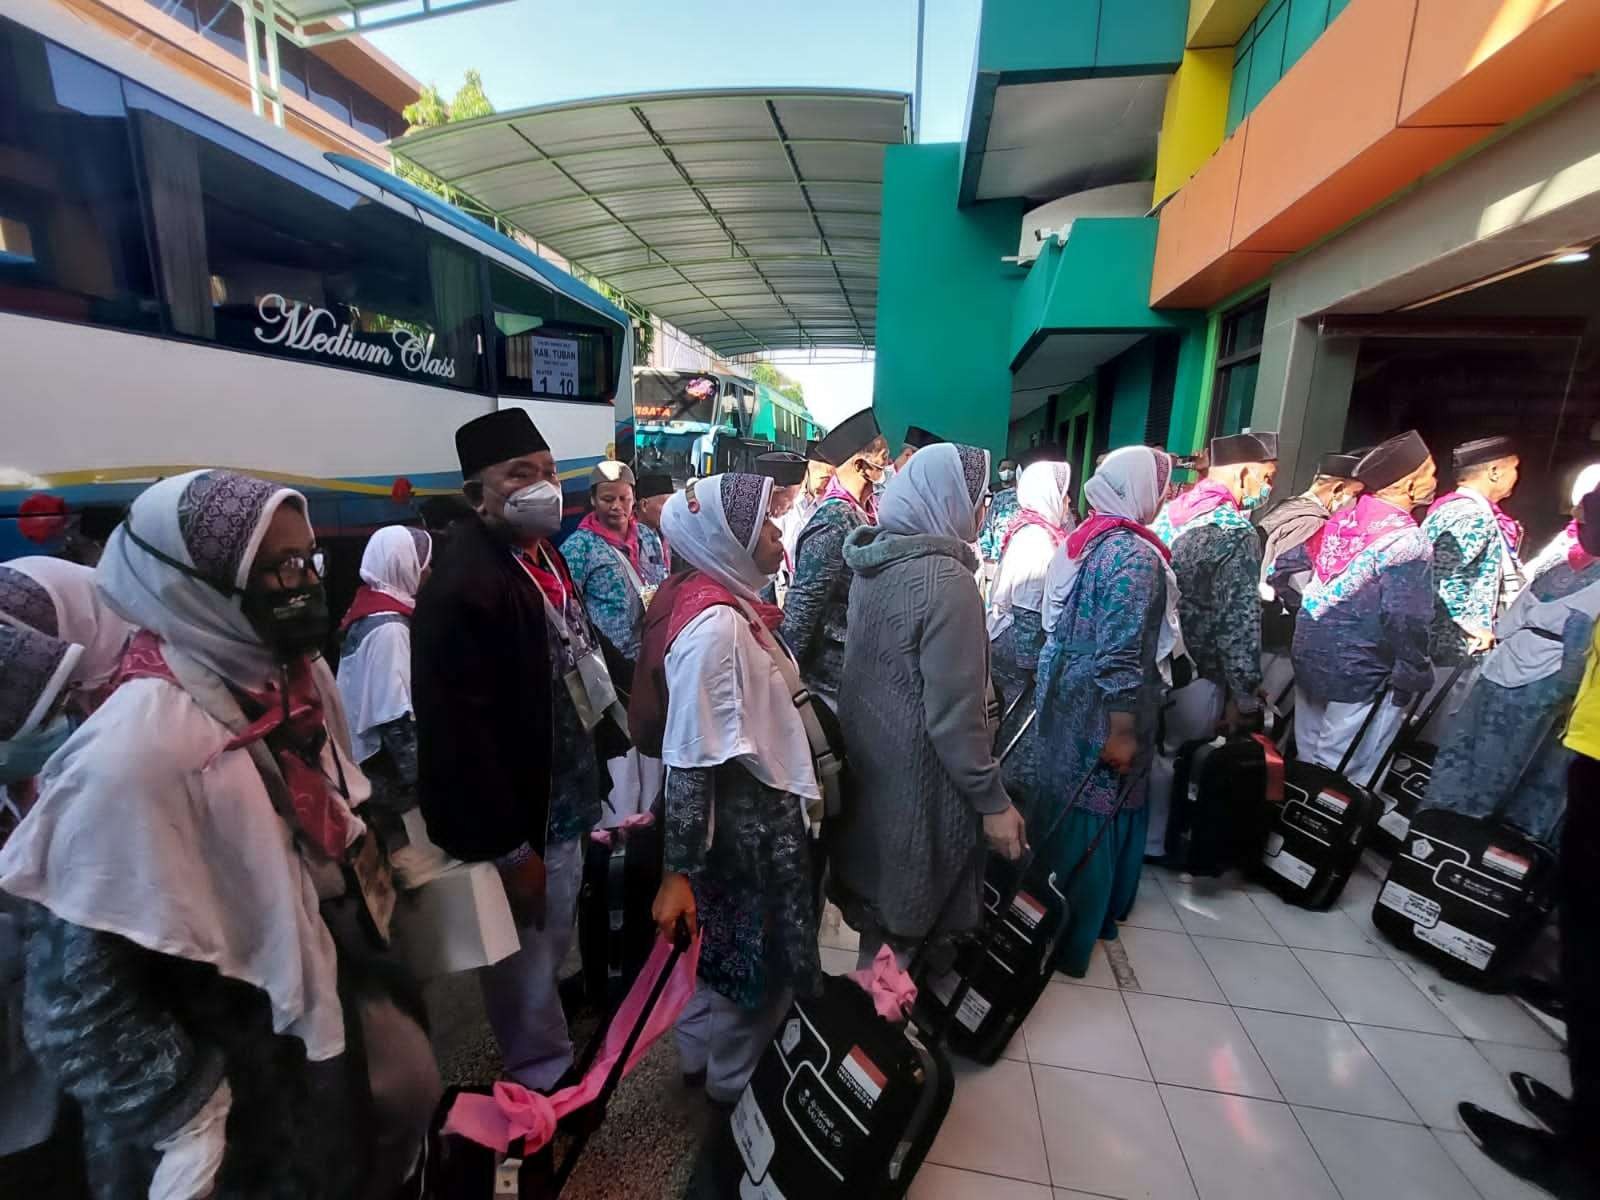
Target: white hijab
(699, 524)
(726, 699)
(375, 677)
(939, 491)
(1043, 489)
(147, 825)
(82, 616)
(1131, 483)
(394, 560)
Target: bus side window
(71, 241)
(260, 253)
(543, 347)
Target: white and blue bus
(183, 284)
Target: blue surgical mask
(1260, 497)
(24, 757)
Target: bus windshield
(663, 397)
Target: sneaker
(1546, 1105)
(1541, 1158)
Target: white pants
(636, 782)
(1324, 729)
(724, 1040)
(520, 994)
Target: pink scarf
(1510, 529)
(837, 491)
(1098, 523)
(1348, 533)
(1578, 558)
(1199, 500)
(627, 543)
(1026, 516)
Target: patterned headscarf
(714, 523)
(199, 532)
(33, 670)
(23, 601)
(60, 598)
(939, 491)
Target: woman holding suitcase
(710, 694)
(1111, 626)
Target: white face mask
(1007, 475)
(535, 511)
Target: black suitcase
(1315, 838)
(1403, 778)
(1468, 894)
(457, 1168)
(615, 929)
(843, 1102)
(1005, 967)
(1224, 796)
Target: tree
(429, 110)
(769, 375)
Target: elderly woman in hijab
(375, 664)
(1110, 629)
(59, 598)
(1502, 753)
(1016, 601)
(1565, 546)
(907, 855)
(710, 699)
(194, 848)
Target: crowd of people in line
(229, 866)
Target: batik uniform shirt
(816, 608)
(609, 595)
(1002, 510)
(1101, 659)
(1468, 574)
(1217, 559)
(1367, 627)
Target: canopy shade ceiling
(317, 22)
(747, 218)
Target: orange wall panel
(1220, 279)
(1477, 62)
(1331, 107)
(1196, 223)
(1390, 164)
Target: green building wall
(945, 301)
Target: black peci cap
(917, 437)
(1484, 450)
(657, 484)
(783, 468)
(1389, 462)
(497, 437)
(1239, 448)
(850, 437)
(1338, 466)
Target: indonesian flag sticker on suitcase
(1468, 894)
(1315, 839)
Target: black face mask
(293, 622)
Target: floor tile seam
(1049, 1187)
(1296, 1118)
(1439, 1141)
(1356, 1029)
(1038, 1116)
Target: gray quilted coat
(920, 749)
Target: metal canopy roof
(747, 218)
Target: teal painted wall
(1282, 31)
(1130, 397)
(944, 302)
(1060, 38)
(1025, 430)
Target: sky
(542, 51)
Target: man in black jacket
(506, 767)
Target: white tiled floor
(1253, 1050)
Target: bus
(697, 423)
(183, 284)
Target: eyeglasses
(292, 571)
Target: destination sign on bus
(301, 326)
(555, 366)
